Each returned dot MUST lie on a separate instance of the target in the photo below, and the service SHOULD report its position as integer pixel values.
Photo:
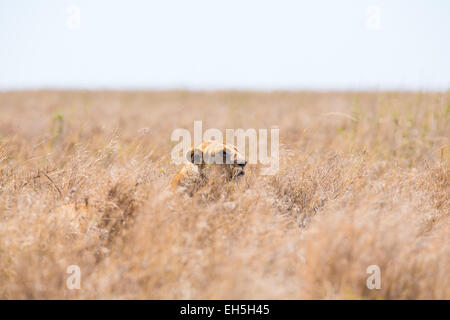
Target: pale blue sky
(228, 44)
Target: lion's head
(222, 158)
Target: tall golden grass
(363, 180)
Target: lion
(207, 159)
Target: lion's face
(224, 158)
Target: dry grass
(364, 179)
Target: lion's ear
(195, 156)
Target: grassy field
(364, 180)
